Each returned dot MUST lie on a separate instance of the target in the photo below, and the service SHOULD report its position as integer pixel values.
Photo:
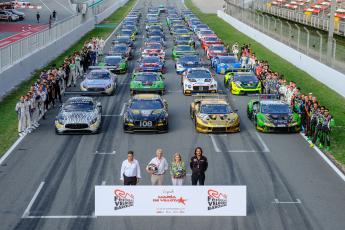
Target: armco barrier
(321, 72)
(40, 56)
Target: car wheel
(132, 93)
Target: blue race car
(224, 64)
(186, 62)
(151, 64)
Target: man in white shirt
(162, 166)
(130, 170)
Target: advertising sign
(170, 200)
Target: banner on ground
(170, 200)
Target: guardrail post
(321, 40)
(308, 36)
(298, 35)
(334, 50)
(289, 33)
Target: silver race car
(99, 81)
(79, 114)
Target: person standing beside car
(198, 165)
(130, 170)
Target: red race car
(210, 40)
(216, 50)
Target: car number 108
(145, 123)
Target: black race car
(146, 112)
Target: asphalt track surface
(48, 181)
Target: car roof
(213, 101)
(79, 99)
(272, 102)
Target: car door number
(145, 123)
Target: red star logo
(181, 200)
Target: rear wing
(233, 70)
(203, 96)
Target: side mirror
(99, 104)
(235, 110)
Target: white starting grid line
(276, 201)
(105, 153)
(218, 150)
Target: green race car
(272, 115)
(147, 82)
(115, 64)
(181, 50)
(242, 82)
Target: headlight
(108, 86)
(61, 120)
(238, 84)
(128, 119)
(93, 121)
(178, 66)
(83, 85)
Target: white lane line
(243, 151)
(105, 153)
(266, 149)
(328, 161)
(61, 217)
(27, 210)
(45, 6)
(69, 10)
(10, 150)
(123, 109)
(215, 146)
(276, 201)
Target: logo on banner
(169, 197)
(123, 199)
(216, 199)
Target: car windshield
(146, 104)
(215, 109)
(127, 32)
(119, 49)
(153, 46)
(183, 38)
(211, 39)
(112, 60)
(151, 59)
(245, 78)
(182, 31)
(275, 108)
(206, 32)
(78, 106)
(185, 59)
(122, 40)
(217, 48)
(98, 75)
(154, 39)
(199, 74)
(147, 77)
(228, 59)
(184, 48)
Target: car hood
(77, 116)
(97, 82)
(137, 114)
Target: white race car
(198, 80)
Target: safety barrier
(328, 76)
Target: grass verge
(326, 96)
(8, 121)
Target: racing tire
(191, 112)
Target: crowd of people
(130, 169)
(47, 91)
(316, 120)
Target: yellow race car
(212, 114)
(242, 82)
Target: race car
(242, 82)
(184, 40)
(116, 64)
(209, 40)
(225, 64)
(185, 62)
(121, 50)
(151, 64)
(154, 27)
(179, 32)
(147, 82)
(146, 112)
(99, 81)
(204, 33)
(79, 114)
(181, 50)
(270, 114)
(153, 49)
(127, 32)
(123, 40)
(198, 80)
(154, 39)
(212, 114)
(215, 50)
(156, 33)
(153, 22)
